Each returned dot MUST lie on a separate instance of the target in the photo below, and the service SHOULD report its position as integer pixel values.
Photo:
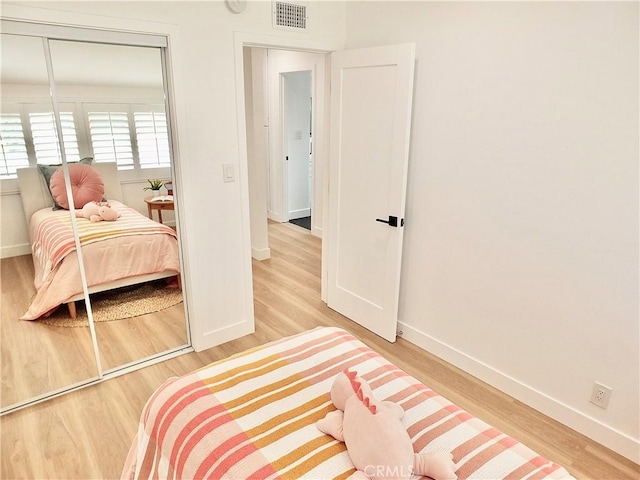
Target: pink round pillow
(86, 186)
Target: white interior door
(371, 94)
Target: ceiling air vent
(288, 15)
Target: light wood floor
(86, 434)
(38, 358)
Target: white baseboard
(260, 253)
(304, 212)
(277, 217)
(611, 438)
(316, 232)
(15, 250)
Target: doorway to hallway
(297, 137)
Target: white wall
(14, 237)
(521, 246)
(214, 223)
(257, 117)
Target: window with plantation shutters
(110, 138)
(45, 137)
(13, 148)
(134, 135)
(152, 139)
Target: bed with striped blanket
(115, 254)
(253, 416)
(54, 233)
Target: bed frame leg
(72, 309)
(179, 277)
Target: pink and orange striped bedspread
(253, 415)
(54, 234)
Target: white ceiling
(78, 63)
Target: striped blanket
(253, 415)
(54, 234)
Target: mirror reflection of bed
(119, 82)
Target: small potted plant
(154, 186)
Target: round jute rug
(118, 304)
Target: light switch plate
(228, 173)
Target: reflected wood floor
(38, 358)
(87, 433)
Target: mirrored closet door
(118, 94)
(37, 356)
(111, 103)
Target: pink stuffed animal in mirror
(97, 212)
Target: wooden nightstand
(158, 205)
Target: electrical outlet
(600, 395)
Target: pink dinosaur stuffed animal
(376, 440)
(97, 212)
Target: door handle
(392, 222)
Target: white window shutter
(45, 138)
(153, 139)
(13, 149)
(110, 138)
